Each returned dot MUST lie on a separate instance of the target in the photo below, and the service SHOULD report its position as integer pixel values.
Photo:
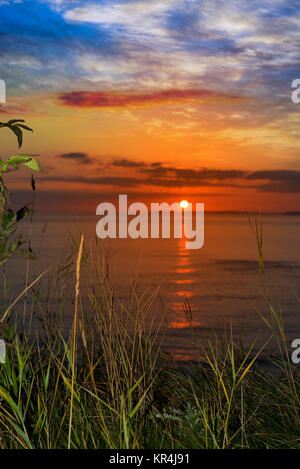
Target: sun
(184, 204)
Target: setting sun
(184, 204)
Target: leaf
(27, 254)
(13, 121)
(24, 127)
(69, 386)
(22, 212)
(16, 127)
(18, 133)
(4, 221)
(32, 183)
(9, 400)
(19, 158)
(15, 245)
(32, 164)
(9, 242)
(6, 218)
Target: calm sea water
(221, 281)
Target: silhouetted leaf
(22, 212)
(18, 133)
(24, 127)
(32, 182)
(13, 121)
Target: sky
(157, 99)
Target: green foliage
(126, 392)
(10, 242)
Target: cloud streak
(77, 156)
(108, 99)
(159, 175)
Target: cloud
(12, 110)
(153, 174)
(173, 174)
(140, 165)
(104, 99)
(142, 44)
(77, 156)
(279, 180)
(157, 174)
(57, 47)
(190, 175)
(263, 38)
(124, 163)
(136, 16)
(288, 175)
(41, 48)
(119, 181)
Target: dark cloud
(278, 180)
(159, 175)
(190, 175)
(124, 163)
(119, 181)
(288, 175)
(78, 156)
(140, 165)
(158, 169)
(105, 99)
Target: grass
(110, 385)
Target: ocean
(220, 283)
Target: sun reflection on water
(182, 292)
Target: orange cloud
(105, 99)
